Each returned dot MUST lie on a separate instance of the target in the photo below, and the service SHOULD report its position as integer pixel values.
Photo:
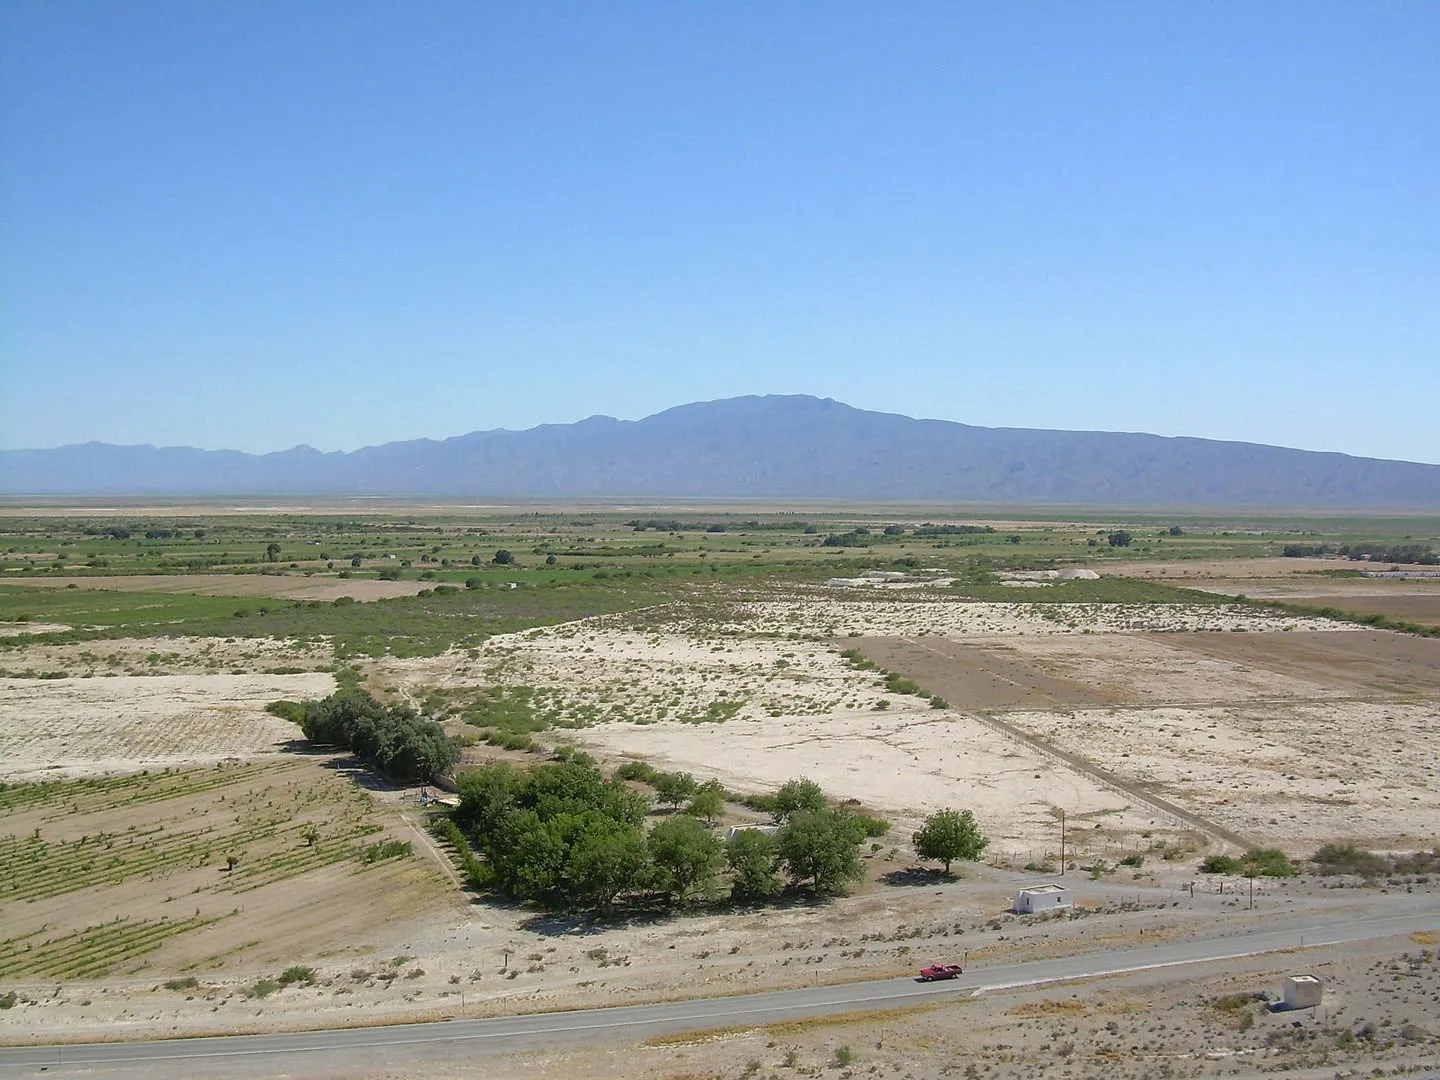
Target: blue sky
(258, 224)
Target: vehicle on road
(939, 971)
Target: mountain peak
(758, 446)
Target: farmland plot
(119, 723)
(196, 867)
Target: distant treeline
(394, 738)
(1421, 554)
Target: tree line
(395, 739)
(564, 836)
(1418, 554)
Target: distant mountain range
(764, 447)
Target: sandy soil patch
(1111, 668)
(1295, 774)
(890, 616)
(1356, 661)
(165, 656)
(287, 587)
(592, 674)
(16, 629)
(52, 727)
(906, 763)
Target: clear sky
(344, 222)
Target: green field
(490, 572)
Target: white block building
(1040, 898)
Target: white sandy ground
(164, 656)
(1296, 773)
(907, 762)
(819, 615)
(75, 727)
(16, 629)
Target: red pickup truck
(940, 971)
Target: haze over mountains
(762, 447)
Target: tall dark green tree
(823, 848)
(686, 857)
(795, 796)
(752, 856)
(948, 835)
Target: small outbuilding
(736, 830)
(1039, 898)
(1302, 992)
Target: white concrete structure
(736, 830)
(1040, 898)
(1302, 992)
(1080, 574)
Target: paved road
(412, 1046)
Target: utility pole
(1062, 841)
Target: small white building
(736, 830)
(1039, 898)
(1302, 992)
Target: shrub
(298, 973)
(187, 983)
(264, 988)
(1346, 858)
(1220, 864)
(637, 770)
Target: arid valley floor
(167, 845)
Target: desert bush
(1346, 858)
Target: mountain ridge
(773, 446)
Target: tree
(1176, 530)
(795, 796)
(949, 835)
(674, 788)
(708, 802)
(607, 857)
(475, 560)
(822, 847)
(355, 560)
(685, 855)
(1120, 539)
(551, 560)
(503, 558)
(752, 856)
(272, 551)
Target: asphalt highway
(407, 1047)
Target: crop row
(93, 951)
(257, 873)
(111, 792)
(33, 869)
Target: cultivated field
(195, 870)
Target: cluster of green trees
(393, 738)
(566, 837)
(1421, 554)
